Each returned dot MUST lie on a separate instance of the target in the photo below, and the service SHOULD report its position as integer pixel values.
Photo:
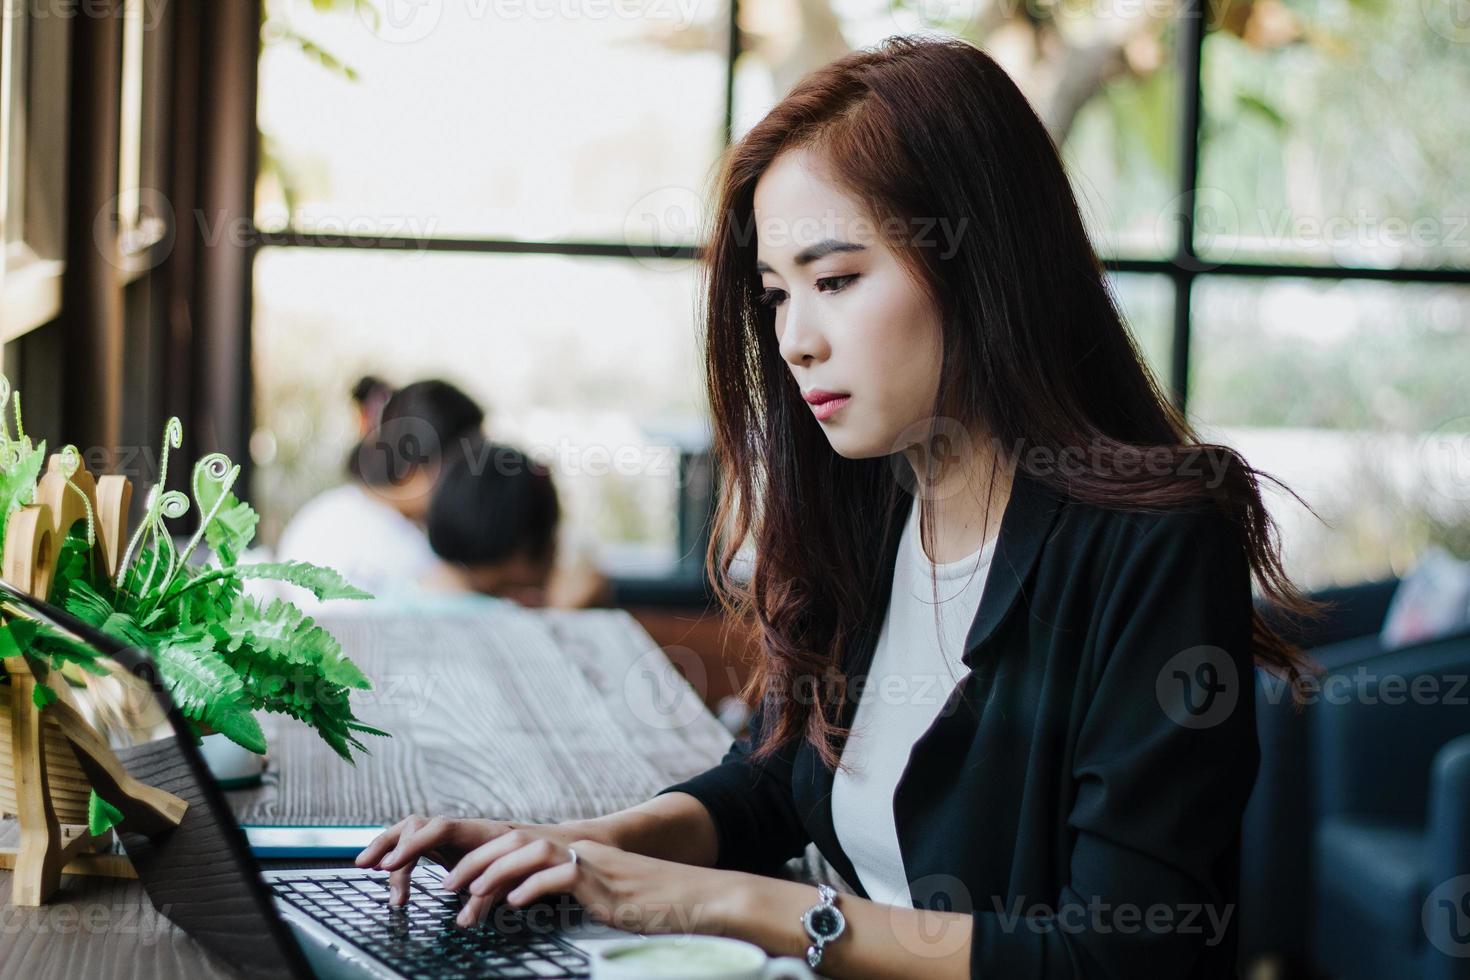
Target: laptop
(324, 922)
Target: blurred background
(1311, 310)
(507, 195)
(232, 211)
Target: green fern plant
(223, 655)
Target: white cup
(693, 957)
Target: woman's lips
(826, 409)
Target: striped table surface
(494, 710)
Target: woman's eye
(837, 283)
(831, 284)
(771, 298)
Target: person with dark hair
(1002, 589)
(494, 519)
(371, 529)
(369, 395)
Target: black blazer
(1080, 793)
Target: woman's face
(848, 317)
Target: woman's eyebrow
(811, 253)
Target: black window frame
(1184, 268)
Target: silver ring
(573, 852)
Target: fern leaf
(232, 529)
(206, 689)
(101, 815)
(324, 583)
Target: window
(12, 111)
(476, 196)
(1274, 191)
(140, 224)
(30, 230)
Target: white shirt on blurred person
(374, 546)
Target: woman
(910, 339)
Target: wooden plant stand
(41, 781)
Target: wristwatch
(824, 922)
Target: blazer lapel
(1028, 517)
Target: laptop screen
(200, 875)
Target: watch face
(825, 922)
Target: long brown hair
(1035, 353)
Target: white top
(347, 528)
(916, 665)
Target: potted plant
(222, 654)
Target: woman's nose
(803, 338)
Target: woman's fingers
(369, 856)
(473, 910)
(525, 863)
(557, 878)
(502, 874)
(432, 837)
(473, 864)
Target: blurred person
(369, 395)
(495, 520)
(371, 529)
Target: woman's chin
(850, 445)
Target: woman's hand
(520, 863)
(447, 840)
(615, 887)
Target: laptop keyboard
(420, 937)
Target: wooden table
(495, 710)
